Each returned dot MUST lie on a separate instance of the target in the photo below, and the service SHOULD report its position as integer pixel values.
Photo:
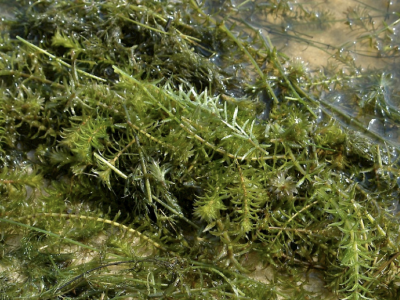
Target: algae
(150, 150)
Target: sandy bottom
(338, 36)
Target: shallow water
(338, 25)
(341, 30)
(358, 39)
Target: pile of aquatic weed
(138, 162)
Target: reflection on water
(317, 30)
(350, 49)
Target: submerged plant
(283, 186)
(138, 162)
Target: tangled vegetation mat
(151, 150)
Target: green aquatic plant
(151, 151)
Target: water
(351, 45)
(315, 30)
